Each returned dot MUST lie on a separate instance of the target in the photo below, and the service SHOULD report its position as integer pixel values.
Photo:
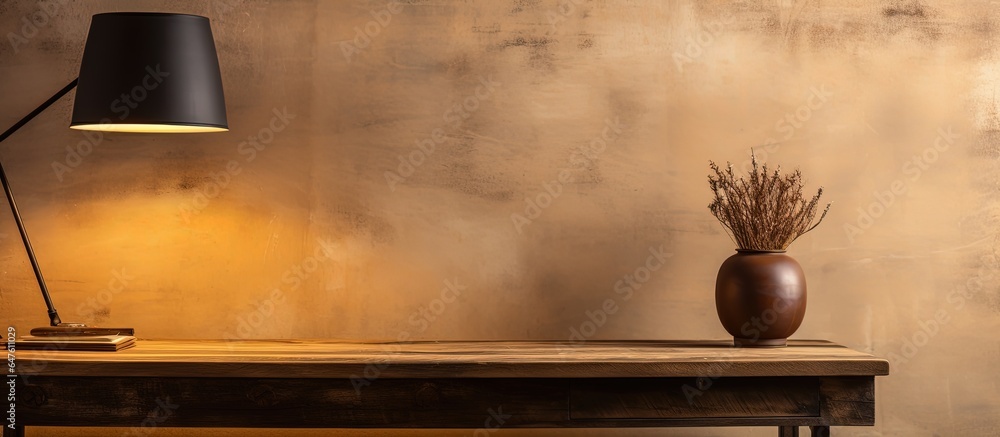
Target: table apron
(473, 403)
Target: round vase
(760, 297)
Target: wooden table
(475, 385)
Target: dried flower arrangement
(764, 212)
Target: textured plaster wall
(406, 153)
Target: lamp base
(79, 330)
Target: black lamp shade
(149, 72)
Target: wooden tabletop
(454, 359)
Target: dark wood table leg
(788, 431)
(820, 431)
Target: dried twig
(763, 212)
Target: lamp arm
(58, 95)
(53, 314)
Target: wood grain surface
(466, 359)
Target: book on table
(97, 343)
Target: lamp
(140, 72)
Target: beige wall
(682, 82)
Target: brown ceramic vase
(760, 297)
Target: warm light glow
(148, 128)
